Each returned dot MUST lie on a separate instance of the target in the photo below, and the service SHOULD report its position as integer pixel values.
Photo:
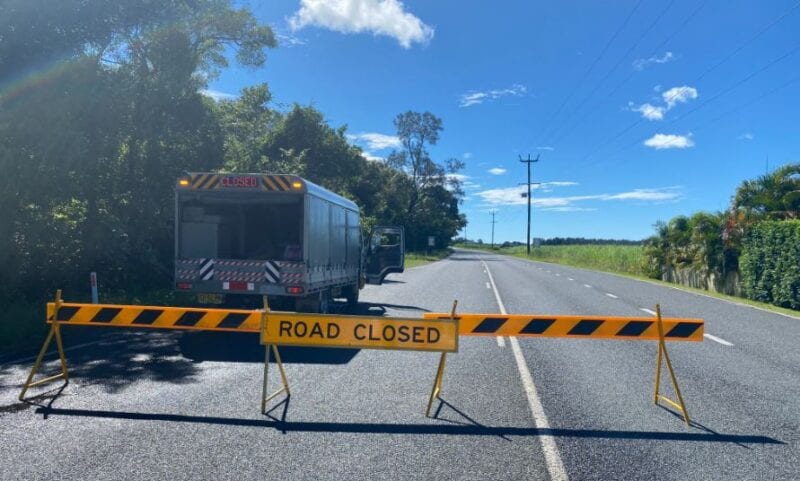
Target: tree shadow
(246, 347)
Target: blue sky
(640, 110)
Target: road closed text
(363, 332)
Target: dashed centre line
(587, 286)
(649, 311)
(611, 295)
(570, 279)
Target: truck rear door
(385, 253)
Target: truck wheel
(351, 294)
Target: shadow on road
(246, 347)
(414, 429)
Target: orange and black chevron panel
(582, 327)
(155, 317)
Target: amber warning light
(183, 182)
(297, 184)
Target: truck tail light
(184, 285)
(295, 289)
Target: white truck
(276, 235)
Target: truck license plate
(210, 298)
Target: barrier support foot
(55, 332)
(284, 381)
(437, 382)
(662, 352)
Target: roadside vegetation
(626, 259)
(103, 106)
(752, 249)
(415, 259)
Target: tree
(435, 189)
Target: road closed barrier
(434, 332)
(587, 327)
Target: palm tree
(772, 196)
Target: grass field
(610, 258)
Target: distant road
(185, 406)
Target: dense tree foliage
(101, 110)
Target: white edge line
(552, 456)
(719, 340)
(501, 341)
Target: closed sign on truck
(292, 329)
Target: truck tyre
(351, 294)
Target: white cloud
(497, 171)
(671, 98)
(670, 141)
(650, 112)
(679, 95)
(546, 147)
(477, 97)
(376, 141)
(641, 63)
(370, 156)
(379, 17)
(285, 39)
(746, 136)
(513, 196)
(467, 155)
(217, 95)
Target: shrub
(770, 263)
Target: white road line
(649, 311)
(717, 339)
(570, 279)
(501, 341)
(587, 285)
(611, 295)
(488, 286)
(552, 456)
(558, 275)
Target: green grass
(622, 260)
(609, 258)
(414, 259)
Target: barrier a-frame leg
(662, 351)
(285, 387)
(437, 382)
(55, 332)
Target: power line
(733, 53)
(654, 51)
(589, 70)
(616, 65)
(717, 118)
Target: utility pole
(529, 161)
(493, 223)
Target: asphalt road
(151, 405)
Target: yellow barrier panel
(580, 327)
(365, 332)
